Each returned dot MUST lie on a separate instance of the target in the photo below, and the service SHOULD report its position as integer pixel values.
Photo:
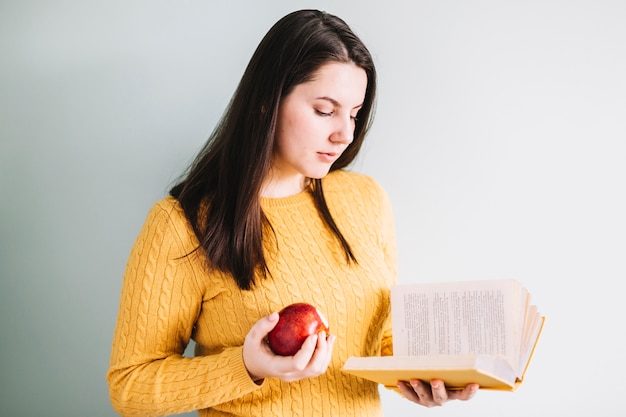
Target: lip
(328, 156)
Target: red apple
(296, 322)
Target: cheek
(286, 125)
(286, 144)
(295, 131)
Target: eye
(323, 114)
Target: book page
(534, 322)
(472, 317)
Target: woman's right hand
(310, 361)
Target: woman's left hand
(434, 394)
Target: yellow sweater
(168, 299)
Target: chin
(318, 175)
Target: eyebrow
(336, 103)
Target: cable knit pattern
(168, 298)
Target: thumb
(262, 327)
(270, 321)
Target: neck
(277, 188)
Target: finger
(408, 392)
(421, 388)
(438, 391)
(465, 394)
(323, 345)
(323, 353)
(305, 354)
(262, 327)
(330, 343)
(423, 392)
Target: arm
(160, 300)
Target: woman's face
(315, 125)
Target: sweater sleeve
(159, 303)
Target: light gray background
(499, 136)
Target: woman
(267, 216)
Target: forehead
(346, 83)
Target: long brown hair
(220, 191)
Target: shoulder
(167, 209)
(353, 184)
(167, 218)
(360, 205)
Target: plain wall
(499, 137)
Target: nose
(344, 130)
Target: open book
(464, 332)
